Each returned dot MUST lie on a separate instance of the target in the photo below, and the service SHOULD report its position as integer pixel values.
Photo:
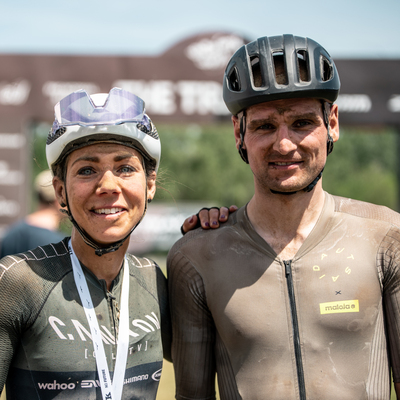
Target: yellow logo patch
(335, 307)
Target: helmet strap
(242, 151)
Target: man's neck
(285, 221)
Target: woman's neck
(105, 267)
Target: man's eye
(301, 123)
(265, 127)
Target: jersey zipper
(114, 313)
(295, 326)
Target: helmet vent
(256, 71)
(303, 66)
(55, 134)
(326, 69)
(281, 76)
(233, 80)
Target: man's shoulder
(366, 210)
(202, 248)
(200, 237)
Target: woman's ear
(59, 190)
(151, 186)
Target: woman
(104, 152)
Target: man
(41, 226)
(297, 295)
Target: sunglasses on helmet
(119, 107)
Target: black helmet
(279, 67)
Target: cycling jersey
(46, 351)
(324, 325)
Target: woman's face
(106, 188)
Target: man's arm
(390, 261)
(397, 388)
(193, 331)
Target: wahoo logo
(56, 386)
(336, 307)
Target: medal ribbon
(110, 390)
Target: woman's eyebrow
(124, 156)
(87, 158)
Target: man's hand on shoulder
(207, 218)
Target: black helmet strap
(242, 151)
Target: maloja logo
(157, 375)
(335, 307)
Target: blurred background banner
(182, 85)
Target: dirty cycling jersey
(324, 325)
(46, 351)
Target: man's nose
(284, 140)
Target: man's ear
(334, 122)
(236, 130)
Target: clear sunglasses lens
(120, 106)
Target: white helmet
(82, 120)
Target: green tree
(201, 163)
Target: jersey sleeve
(14, 312)
(389, 267)
(193, 331)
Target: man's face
(286, 142)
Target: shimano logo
(157, 375)
(137, 378)
(56, 386)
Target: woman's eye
(85, 171)
(126, 169)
